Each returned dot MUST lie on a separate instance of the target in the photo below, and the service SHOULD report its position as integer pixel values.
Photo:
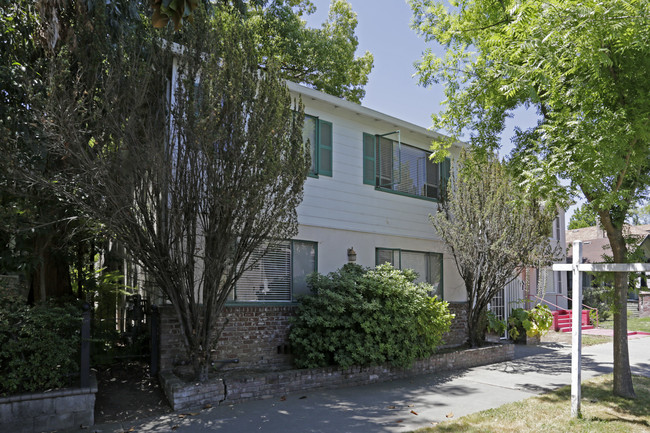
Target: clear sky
(384, 30)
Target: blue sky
(384, 30)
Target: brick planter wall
(258, 336)
(46, 411)
(238, 386)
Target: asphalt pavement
(401, 405)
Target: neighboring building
(596, 249)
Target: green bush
(534, 322)
(40, 345)
(366, 317)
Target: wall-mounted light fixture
(352, 255)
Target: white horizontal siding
(343, 201)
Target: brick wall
(458, 333)
(238, 386)
(644, 304)
(259, 336)
(256, 335)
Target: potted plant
(527, 326)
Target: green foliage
(365, 317)
(534, 322)
(323, 58)
(40, 345)
(494, 230)
(584, 216)
(494, 324)
(601, 297)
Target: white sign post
(576, 267)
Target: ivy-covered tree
(493, 230)
(583, 66)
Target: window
(318, 133)
(558, 228)
(280, 275)
(389, 165)
(427, 265)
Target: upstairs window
(317, 134)
(390, 165)
(428, 266)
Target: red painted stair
(562, 320)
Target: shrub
(40, 345)
(533, 322)
(362, 317)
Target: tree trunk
(622, 374)
(476, 327)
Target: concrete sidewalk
(402, 405)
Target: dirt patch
(557, 337)
(126, 391)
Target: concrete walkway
(402, 405)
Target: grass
(591, 340)
(633, 323)
(601, 412)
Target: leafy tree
(640, 214)
(583, 217)
(199, 201)
(582, 65)
(493, 231)
(323, 58)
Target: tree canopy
(583, 217)
(583, 66)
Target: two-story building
(367, 199)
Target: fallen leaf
(410, 405)
(303, 397)
(390, 407)
(174, 427)
(182, 415)
(283, 398)
(193, 413)
(207, 406)
(434, 423)
(414, 412)
(400, 420)
(450, 415)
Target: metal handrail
(586, 306)
(548, 302)
(560, 308)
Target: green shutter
(445, 168)
(369, 159)
(325, 148)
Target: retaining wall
(238, 386)
(65, 408)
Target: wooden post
(576, 331)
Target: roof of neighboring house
(595, 243)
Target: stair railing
(567, 298)
(587, 307)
